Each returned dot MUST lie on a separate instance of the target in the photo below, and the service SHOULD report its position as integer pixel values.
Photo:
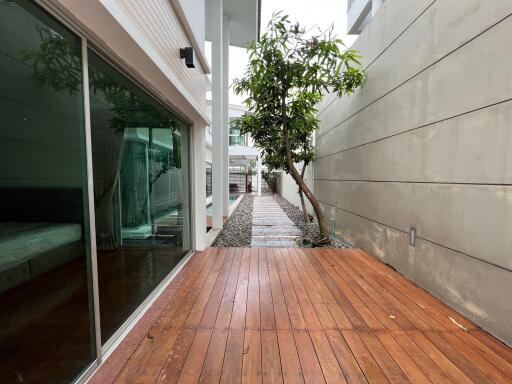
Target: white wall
(427, 144)
(195, 12)
(289, 190)
(157, 28)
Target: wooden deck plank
(232, 365)
(364, 311)
(270, 360)
(427, 366)
(305, 316)
(318, 302)
(464, 364)
(252, 365)
(292, 303)
(348, 363)
(416, 293)
(488, 352)
(290, 363)
(334, 308)
(278, 301)
(171, 330)
(397, 296)
(196, 357)
(268, 321)
(144, 350)
(490, 370)
(176, 359)
(306, 306)
(353, 315)
(223, 319)
(442, 361)
(418, 319)
(382, 357)
(211, 310)
(495, 345)
(308, 359)
(328, 362)
(212, 368)
(240, 303)
(212, 288)
(381, 309)
(253, 318)
(371, 369)
(406, 364)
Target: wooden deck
(294, 316)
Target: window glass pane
(46, 332)
(140, 161)
(208, 179)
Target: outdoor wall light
(412, 237)
(187, 53)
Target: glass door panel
(46, 317)
(140, 160)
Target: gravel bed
(237, 232)
(309, 231)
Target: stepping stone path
(271, 227)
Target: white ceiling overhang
(244, 21)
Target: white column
(376, 5)
(258, 170)
(217, 116)
(225, 112)
(198, 187)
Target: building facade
(243, 159)
(415, 167)
(359, 14)
(102, 181)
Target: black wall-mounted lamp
(187, 53)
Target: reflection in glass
(140, 161)
(209, 182)
(46, 332)
(235, 136)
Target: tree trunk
(301, 195)
(324, 231)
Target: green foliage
(57, 65)
(287, 76)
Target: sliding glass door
(140, 160)
(46, 317)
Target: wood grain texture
(307, 316)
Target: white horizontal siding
(158, 22)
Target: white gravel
(237, 232)
(309, 231)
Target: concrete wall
(290, 191)
(427, 143)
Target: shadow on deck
(295, 315)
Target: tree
(287, 76)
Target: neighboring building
(416, 166)
(243, 157)
(102, 182)
(359, 14)
(242, 160)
